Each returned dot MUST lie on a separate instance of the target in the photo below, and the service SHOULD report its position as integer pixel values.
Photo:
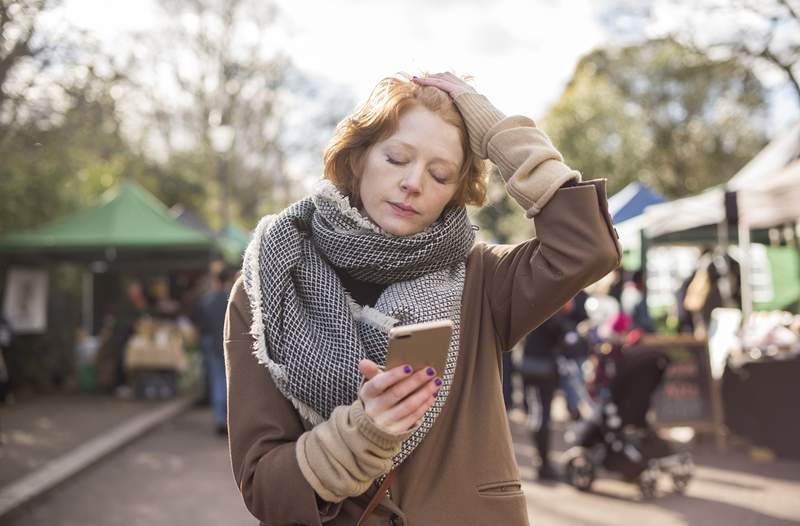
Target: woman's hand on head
(447, 82)
(397, 398)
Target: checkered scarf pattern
(310, 334)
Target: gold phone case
(420, 345)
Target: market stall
(757, 374)
(127, 239)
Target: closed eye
(394, 161)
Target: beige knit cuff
(342, 456)
(372, 431)
(479, 115)
(536, 190)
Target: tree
(51, 169)
(23, 55)
(216, 70)
(660, 113)
(60, 140)
(761, 33)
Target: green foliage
(48, 171)
(658, 113)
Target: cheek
(445, 196)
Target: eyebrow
(411, 147)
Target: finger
(401, 390)
(378, 383)
(368, 368)
(407, 412)
(409, 404)
(412, 420)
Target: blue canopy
(631, 201)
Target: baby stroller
(616, 436)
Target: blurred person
(133, 306)
(540, 371)
(715, 283)
(319, 431)
(6, 338)
(210, 319)
(634, 303)
(575, 351)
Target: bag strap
(373, 503)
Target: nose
(412, 179)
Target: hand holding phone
(397, 398)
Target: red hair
(377, 118)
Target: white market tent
(765, 170)
(775, 202)
(767, 193)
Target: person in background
(540, 370)
(133, 305)
(634, 303)
(575, 351)
(210, 319)
(6, 337)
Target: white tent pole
(744, 266)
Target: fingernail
(438, 381)
(414, 77)
(436, 394)
(407, 369)
(430, 371)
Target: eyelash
(440, 180)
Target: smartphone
(420, 345)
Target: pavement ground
(179, 473)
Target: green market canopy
(128, 225)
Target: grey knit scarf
(310, 334)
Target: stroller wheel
(647, 483)
(682, 474)
(580, 471)
(680, 482)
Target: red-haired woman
(319, 432)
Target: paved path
(179, 475)
(728, 489)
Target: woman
(315, 424)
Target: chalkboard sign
(685, 394)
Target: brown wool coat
(464, 472)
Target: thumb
(368, 368)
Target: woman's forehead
(422, 131)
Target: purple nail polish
(430, 371)
(436, 394)
(438, 381)
(407, 369)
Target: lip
(403, 210)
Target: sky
(521, 53)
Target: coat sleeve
(263, 428)
(575, 246)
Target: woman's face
(412, 175)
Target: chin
(400, 229)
